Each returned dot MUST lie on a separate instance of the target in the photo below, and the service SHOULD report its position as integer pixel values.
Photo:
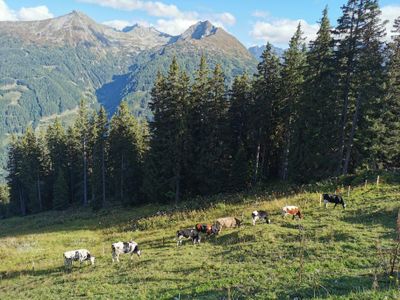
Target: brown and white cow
(208, 228)
(292, 211)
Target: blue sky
(251, 21)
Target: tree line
(322, 110)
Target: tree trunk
(255, 177)
(285, 158)
(122, 179)
(257, 162)
(39, 193)
(22, 202)
(177, 187)
(85, 201)
(103, 176)
(350, 143)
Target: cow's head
(216, 228)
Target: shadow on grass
(383, 217)
(231, 238)
(42, 272)
(332, 288)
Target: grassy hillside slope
(334, 254)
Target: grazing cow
(130, 247)
(291, 210)
(228, 222)
(188, 233)
(260, 215)
(328, 198)
(207, 228)
(74, 255)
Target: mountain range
(48, 66)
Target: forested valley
(325, 109)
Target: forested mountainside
(48, 66)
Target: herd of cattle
(193, 234)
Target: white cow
(124, 248)
(74, 255)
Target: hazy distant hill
(48, 66)
(256, 51)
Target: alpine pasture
(330, 254)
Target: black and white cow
(75, 255)
(189, 233)
(130, 247)
(328, 198)
(260, 215)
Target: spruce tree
(266, 90)
(60, 191)
(197, 124)
(18, 201)
(292, 89)
(82, 128)
(241, 135)
(126, 147)
(99, 158)
(316, 128)
(366, 127)
(56, 142)
(389, 148)
(169, 132)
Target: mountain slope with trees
(48, 66)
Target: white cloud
(171, 19)
(121, 24)
(225, 18)
(174, 26)
(260, 14)
(279, 32)
(24, 14)
(34, 13)
(390, 13)
(153, 8)
(6, 14)
(118, 24)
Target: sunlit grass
(338, 249)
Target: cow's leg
(335, 205)
(254, 220)
(326, 204)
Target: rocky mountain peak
(199, 31)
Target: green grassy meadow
(334, 254)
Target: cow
(208, 228)
(189, 233)
(130, 247)
(337, 199)
(75, 255)
(291, 210)
(228, 222)
(260, 215)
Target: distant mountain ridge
(257, 51)
(47, 66)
